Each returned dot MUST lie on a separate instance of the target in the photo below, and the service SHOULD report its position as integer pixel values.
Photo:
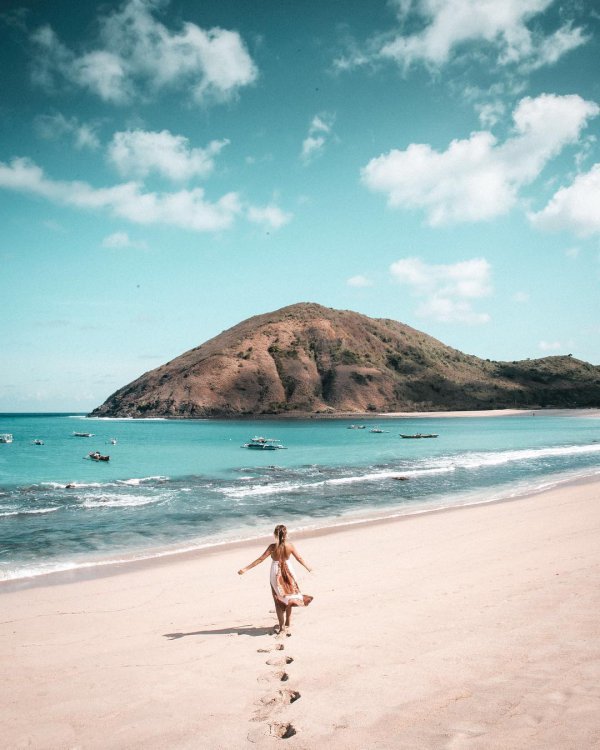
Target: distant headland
(306, 359)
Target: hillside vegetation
(306, 358)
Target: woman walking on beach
(284, 587)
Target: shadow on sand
(244, 630)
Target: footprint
(280, 675)
(273, 702)
(279, 661)
(283, 731)
(275, 647)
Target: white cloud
(359, 281)
(187, 209)
(52, 127)
(271, 216)
(136, 54)
(447, 28)
(319, 133)
(122, 240)
(520, 297)
(447, 291)
(478, 178)
(550, 346)
(572, 252)
(137, 153)
(575, 208)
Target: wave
(441, 465)
(118, 500)
(477, 460)
(27, 512)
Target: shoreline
(590, 411)
(448, 630)
(159, 557)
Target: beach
(468, 628)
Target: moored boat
(97, 456)
(83, 434)
(263, 444)
(6, 437)
(37, 441)
(419, 435)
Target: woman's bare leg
(280, 612)
(288, 616)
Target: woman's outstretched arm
(258, 560)
(296, 554)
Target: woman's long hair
(280, 534)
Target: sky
(168, 169)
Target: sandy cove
(470, 628)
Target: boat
(6, 437)
(378, 430)
(113, 441)
(263, 444)
(83, 434)
(37, 441)
(97, 456)
(357, 427)
(418, 436)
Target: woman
(284, 587)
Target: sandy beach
(471, 628)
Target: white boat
(6, 437)
(37, 441)
(113, 441)
(378, 430)
(264, 444)
(83, 434)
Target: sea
(173, 486)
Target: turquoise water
(172, 485)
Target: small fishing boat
(418, 436)
(83, 434)
(357, 427)
(37, 441)
(113, 441)
(97, 456)
(6, 437)
(377, 430)
(263, 444)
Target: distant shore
(371, 415)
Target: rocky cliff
(306, 358)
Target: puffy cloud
(56, 126)
(478, 178)
(318, 134)
(447, 291)
(137, 153)
(122, 240)
(270, 215)
(448, 27)
(136, 53)
(520, 297)
(575, 208)
(359, 281)
(186, 209)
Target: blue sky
(168, 169)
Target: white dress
(284, 585)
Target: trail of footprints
(270, 705)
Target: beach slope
(471, 628)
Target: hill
(306, 358)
